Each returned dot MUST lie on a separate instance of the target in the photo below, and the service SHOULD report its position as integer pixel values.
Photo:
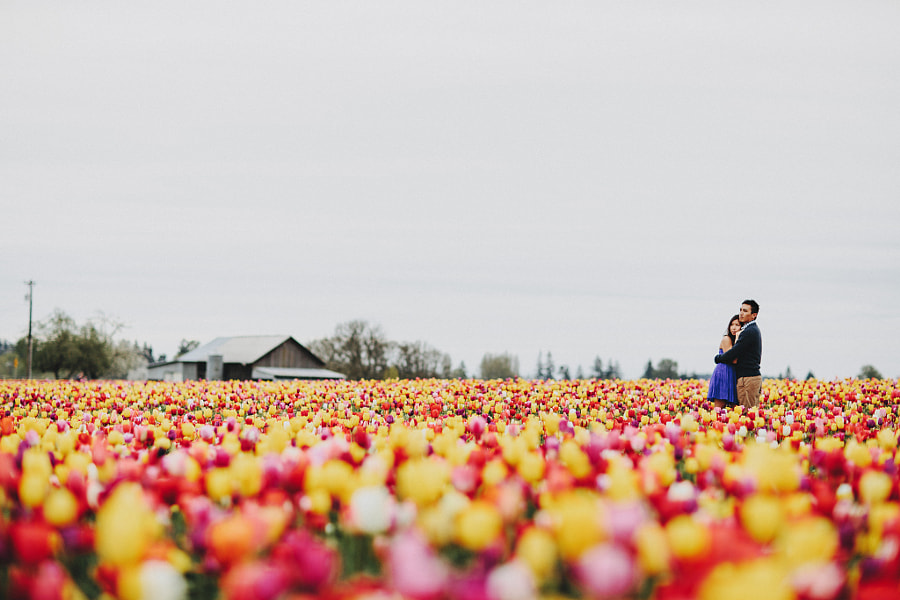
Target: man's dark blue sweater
(747, 350)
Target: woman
(721, 384)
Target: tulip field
(445, 489)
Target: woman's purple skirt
(722, 384)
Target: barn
(270, 357)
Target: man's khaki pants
(748, 389)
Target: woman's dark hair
(728, 329)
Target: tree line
(66, 350)
(63, 349)
(362, 351)
(547, 369)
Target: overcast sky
(581, 178)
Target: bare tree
(499, 366)
(357, 349)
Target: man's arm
(731, 355)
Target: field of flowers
(493, 490)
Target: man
(746, 354)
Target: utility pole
(30, 285)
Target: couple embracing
(737, 379)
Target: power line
(30, 285)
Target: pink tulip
(311, 564)
(49, 582)
(512, 581)
(818, 581)
(624, 519)
(207, 433)
(476, 426)
(415, 571)
(32, 438)
(465, 478)
(469, 586)
(606, 571)
(254, 581)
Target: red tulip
(34, 541)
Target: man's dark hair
(754, 307)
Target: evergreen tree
(185, 346)
(448, 372)
(613, 370)
(460, 372)
(549, 367)
(598, 371)
(869, 372)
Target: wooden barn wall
(236, 371)
(288, 355)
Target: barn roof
(289, 373)
(242, 349)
